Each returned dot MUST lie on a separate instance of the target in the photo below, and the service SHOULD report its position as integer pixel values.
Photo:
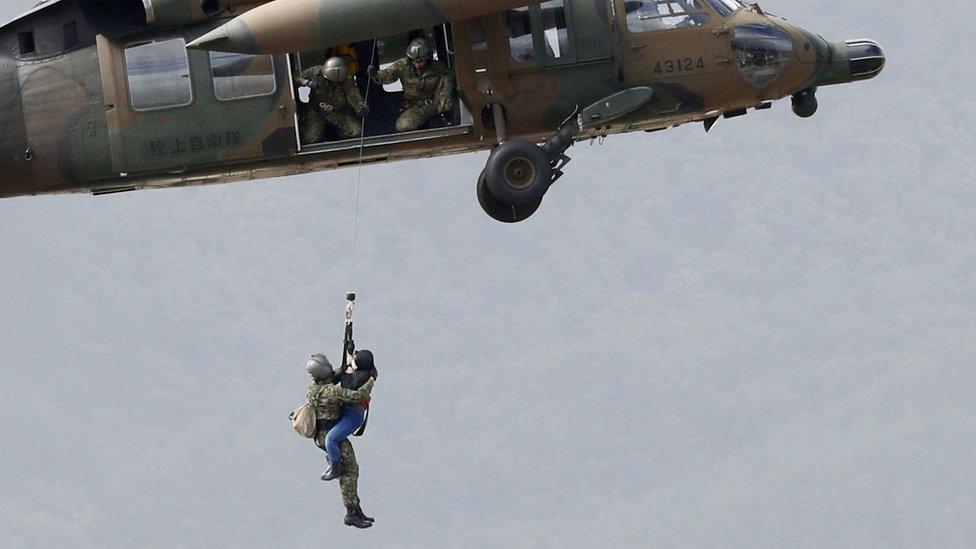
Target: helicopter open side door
(385, 101)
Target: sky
(762, 336)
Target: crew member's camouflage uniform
(331, 104)
(426, 93)
(328, 399)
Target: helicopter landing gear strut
(519, 173)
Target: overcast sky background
(762, 336)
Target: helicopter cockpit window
(652, 15)
(239, 76)
(519, 22)
(725, 7)
(158, 74)
(762, 53)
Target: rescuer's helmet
(335, 69)
(419, 49)
(319, 367)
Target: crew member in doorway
(334, 102)
(428, 86)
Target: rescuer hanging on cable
(341, 400)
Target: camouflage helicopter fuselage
(68, 123)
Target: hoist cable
(362, 152)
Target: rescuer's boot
(359, 511)
(353, 519)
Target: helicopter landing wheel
(519, 173)
(498, 210)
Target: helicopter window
(25, 43)
(158, 74)
(762, 53)
(724, 7)
(70, 32)
(554, 29)
(477, 33)
(479, 46)
(45, 40)
(652, 15)
(239, 76)
(519, 23)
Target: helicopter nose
(852, 61)
(865, 59)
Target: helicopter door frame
(465, 121)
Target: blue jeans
(350, 420)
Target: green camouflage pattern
(433, 84)
(426, 93)
(331, 104)
(345, 124)
(416, 116)
(287, 26)
(349, 479)
(329, 398)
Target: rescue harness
(349, 352)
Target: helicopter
(110, 96)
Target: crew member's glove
(445, 104)
(372, 72)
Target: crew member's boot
(359, 511)
(354, 519)
(334, 472)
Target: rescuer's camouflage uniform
(328, 399)
(426, 93)
(331, 104)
